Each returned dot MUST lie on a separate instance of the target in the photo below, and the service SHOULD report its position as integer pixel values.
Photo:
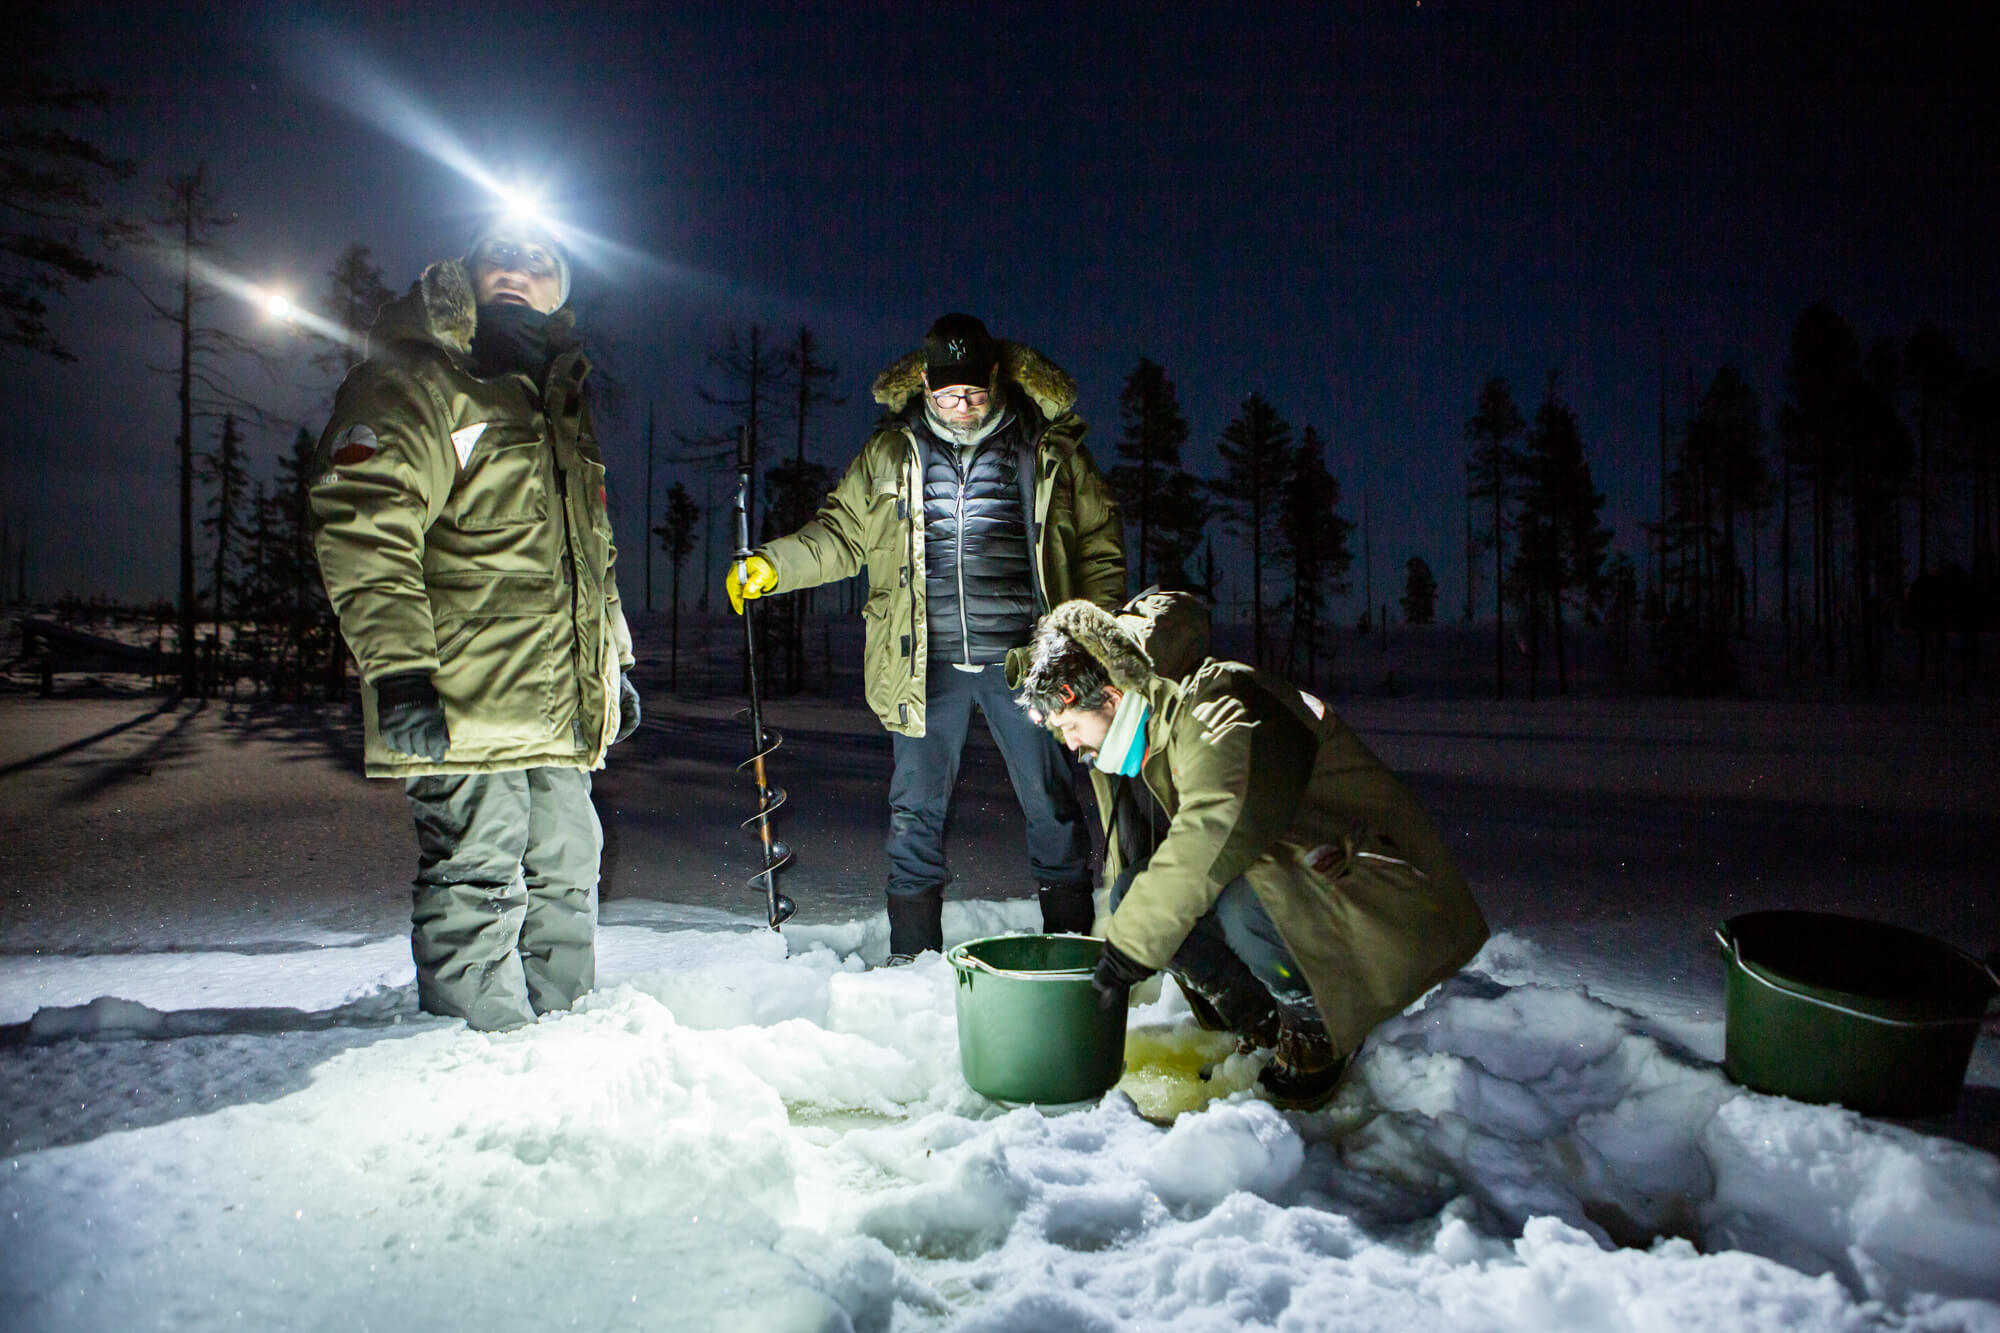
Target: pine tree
(1562, 547)
(354, 295)
(1420, 591)
(224, 472)
(184, 232)
(1153, 435)
(797, 489)
(676, 534)
(54, 226)
(1316, 537)
(1490, 470)
(1181, 510)
(312, 634)
(1256, 451)
(1822, 375)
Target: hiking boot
(1066, 909)
(1305, 1071)
(899, 960)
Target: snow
(220, 1106)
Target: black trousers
(1236, 957)
(927, 770)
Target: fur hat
(1079, 649)
(1098, 633)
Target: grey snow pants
(503, 922)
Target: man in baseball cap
(974, 508)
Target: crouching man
(1256, 849)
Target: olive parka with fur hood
(1262, 780)
(874, 517)
(461, 529)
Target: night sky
(1358, 211)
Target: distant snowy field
(219, 1106)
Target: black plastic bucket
(1827, 1008)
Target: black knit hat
(959, 351)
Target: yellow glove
(752, 576)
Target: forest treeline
(1868, 500)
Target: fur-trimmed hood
(439, 308)
(1098, 633)
(1047, 383)
(1156, 634)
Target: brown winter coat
(461, 529)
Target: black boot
(1241, 1005)
(1066, 909)
(1305, 1071)
(916, 923)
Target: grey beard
(968, 436)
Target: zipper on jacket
(958, 539)
(913, 530)
(1027, 465)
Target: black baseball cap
(959, 351)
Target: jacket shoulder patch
(357, 444)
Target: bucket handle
(1991, 966)
(961, 959)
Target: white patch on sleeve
(464, 438)
(1313, 702)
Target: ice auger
(778, 908)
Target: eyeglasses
(950, 398)
(534, 260)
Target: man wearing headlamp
(459, 519)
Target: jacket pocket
(504, 483)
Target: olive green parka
(1264, 781)
(874, 518)
(461, 529)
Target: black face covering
(510, 339)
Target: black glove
(628, 707)
(409, 716)
(1114, 977)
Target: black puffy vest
(978, 588)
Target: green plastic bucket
(1827, 1008)
(1029, 1025)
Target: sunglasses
(535, 260)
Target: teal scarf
(1125, 743)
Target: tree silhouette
(676, 534)
(1316, 536)
(54, 226)
(1181, 510)
(185, 232)
(1560, 558)
(224, 472)
(354, 295)
(1938, 376)
(1490, 467)
(1256, 450)
(1154, 431)
(1420, 591)
(1820, 377)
